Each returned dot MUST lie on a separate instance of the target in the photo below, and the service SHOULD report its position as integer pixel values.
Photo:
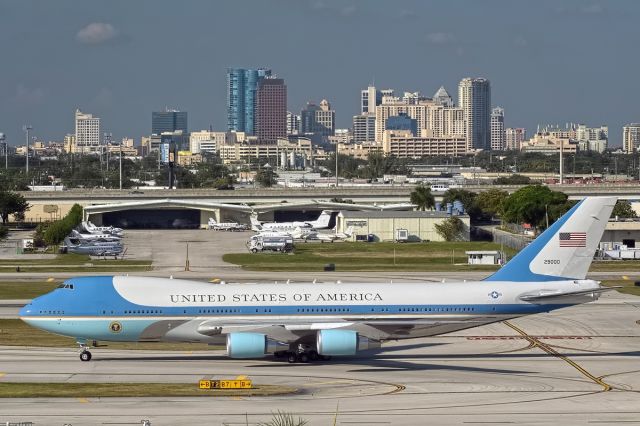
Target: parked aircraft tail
(255, 224)
(322, 222)
(565, 250)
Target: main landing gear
(303, 354)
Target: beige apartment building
(546, 143)
(403, 145)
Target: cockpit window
(63, 285)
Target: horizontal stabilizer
(554, 294)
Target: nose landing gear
(85, 355)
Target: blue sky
(548, 61)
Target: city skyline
(100, 59)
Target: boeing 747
(306, 321)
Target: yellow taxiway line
(548, 349)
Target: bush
(58, 230)
(4, 231)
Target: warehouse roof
(394, 214)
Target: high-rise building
(293, 123)
(442, 97)
(169, 120)
(87, 138)
(592, 138)
(444, 122)
(364, 128)
(631, 138)
(242, 87)
(498, 136)
(514, 137)
(271, 110)
(474, 97)
(417, 109)
(369, 99)
(318, 121)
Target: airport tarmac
(578, 365)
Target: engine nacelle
(342, 342)
(252, 345)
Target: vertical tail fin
(323, 220)
(255, 224)
(565, 250)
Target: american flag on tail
(573, 239)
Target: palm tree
(422, 197)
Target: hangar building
(384, 225)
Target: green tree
(266, 178)
(532, 204)
(623, 209)
(58, 230)
(467, 198)
(12, 203)
(514, 179)
(422, 197)
(451, 229)
(491, 202)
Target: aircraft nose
(25, 311)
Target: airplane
(93, 248)
(226, 226)
(93, 229)
(322, 222)
(307, 321)
(336, 236)
(95, 237)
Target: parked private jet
(226, 226)
(304, 321)
(322, 222)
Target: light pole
(26, 129)
(336, 165)
(120, 165)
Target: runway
(574, 366)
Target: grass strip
(100, 390)
(112, 269)
(71, 259)
(25, 289)
(427, 257)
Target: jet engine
(252, 345)
(342, 342)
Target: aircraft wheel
(313, 355)
(292, 358)
(254, 250)
(304, 358)
(85, 356)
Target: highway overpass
(50, 205)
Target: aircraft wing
(544, 295)
(291, 331)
